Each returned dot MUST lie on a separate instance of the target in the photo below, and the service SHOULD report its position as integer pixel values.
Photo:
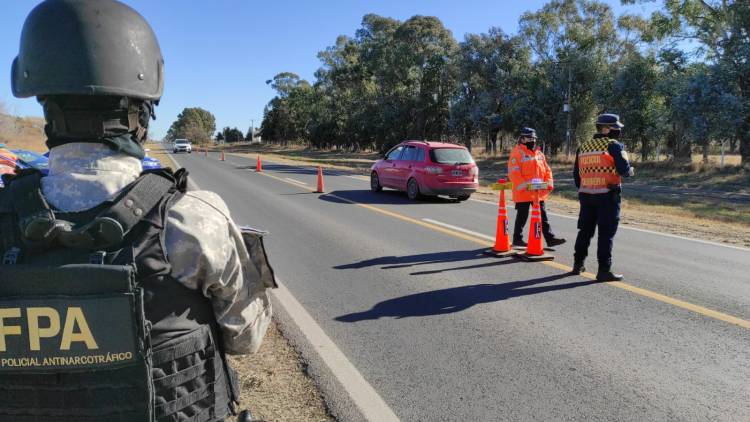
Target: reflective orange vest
(597, 167)
(524, 166)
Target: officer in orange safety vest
(527, 162)
(600, 165)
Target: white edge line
(295, 181)
(364, 396)
(363, 178)
(191, 181)
(483, 201)
(460, 229)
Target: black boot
(578, 268)
(245, 416)
(519, 242)
(554, 241)
(605, 274)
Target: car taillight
(474, 171)
(434, 170)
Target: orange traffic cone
(222, 155)
(320, 180)
(502, 239)
(259, 165)
(535, 249)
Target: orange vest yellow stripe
(524, 166)
(597, 167)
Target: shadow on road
(391, 262)
(310, 171)
(386, 197)
(456, 299)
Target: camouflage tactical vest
(92, 325)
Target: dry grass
(22, 132)
(275, 386)
(157, 151)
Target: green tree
(493, 68)
(232, 135)
(574, 43)
(721, 28)
(195, 124)
(635, 97)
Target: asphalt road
(443, 332)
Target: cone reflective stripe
(320, 180)
(502, 246)
(259, 165)
(502, 239)
(535, 246)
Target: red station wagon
(424, 168)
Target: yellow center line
(619, 284)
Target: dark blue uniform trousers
(602, 211)
(522, 215)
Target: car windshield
(182, 142)
(31, 158)
(450, 156)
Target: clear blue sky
(219, 53)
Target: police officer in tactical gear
(600, 164)
(121, 292)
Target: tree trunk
(681, 150)
(493, 140)
(467, 136)
(705, 152)
(745, 143)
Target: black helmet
(87, 47)
(611, 120)
(528, 132)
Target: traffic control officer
(163, 283)
(599, 167)
(526, 163)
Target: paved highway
(442, 332)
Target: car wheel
(461, 198)
(375, 182)
(412, 190)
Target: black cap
(528, 132)
(612, 120)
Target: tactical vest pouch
(73, 345)
(260, 267)
(188, 373)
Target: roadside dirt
(274, 383)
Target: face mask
(614, 133)
(530, 145)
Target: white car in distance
(182, 145)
